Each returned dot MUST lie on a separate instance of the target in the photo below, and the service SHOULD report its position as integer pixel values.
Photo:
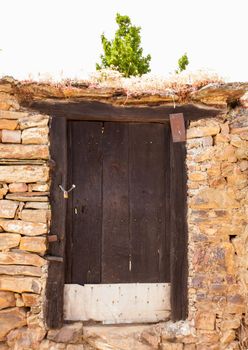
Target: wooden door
(118, 214)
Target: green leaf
(124, 52)
(182, 63)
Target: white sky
(55, 36)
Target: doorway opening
(118, 222)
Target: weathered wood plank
(54, 301)
(147, 202)
(165, 258)
(99, 111)
(115, 226)
(86, 165)
(69, 214)
(55, 281)
(179, 236)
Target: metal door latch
(66, 192)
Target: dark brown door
(119, 211)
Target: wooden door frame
(97, 111)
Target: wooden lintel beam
(99, 111)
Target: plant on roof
(182, 63)
(124, 53)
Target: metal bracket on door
(178, 127)
(66, 192)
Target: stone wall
(217, 163)
(24, 224)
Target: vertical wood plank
(115, 226)
(69, 223)
(55, 281)
(165, 258)
(179, 236)
(86, 164)
(147, 201)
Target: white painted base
(117, 303)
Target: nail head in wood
(178, 127)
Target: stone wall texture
(217, 165)
(217, 162)
(24, 223)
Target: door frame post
(56, 252)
